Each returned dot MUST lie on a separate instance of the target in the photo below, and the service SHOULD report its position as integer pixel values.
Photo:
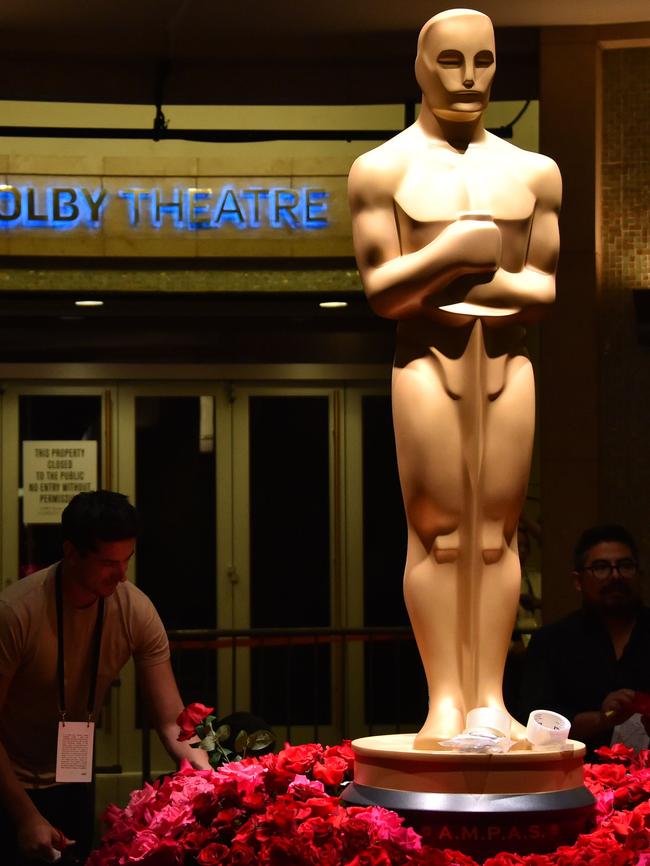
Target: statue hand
(478, 243)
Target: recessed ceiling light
(331, 305)
(89, 303)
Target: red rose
(332, 772)
(318, 830)
(255, 801)
(539, 860)
(322, 807)
(609, 775)
(642, 759)
(373, 856)
(328, 854)
(242, 855)
(285, 851)
(617, 752)
(426, 857)
(343, 751)
(167, 853)
(192, 715)
(504, 859)
(280, 819)
(278, 780)
(356, 834)
(213, 854)
(623, 796)
(456, 858)
(228, 821)
(299, 759)
(195, 837)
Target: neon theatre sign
(194, 208)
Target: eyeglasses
(603, 568)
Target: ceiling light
(331, 305)
(89, 303)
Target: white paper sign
(53, 472)
(74, 752)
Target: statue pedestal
(527, 801)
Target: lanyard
(97, 642)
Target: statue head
(455, 64)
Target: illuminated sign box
(174, 216)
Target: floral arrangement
(197, 721)
(283, 810)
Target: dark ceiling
(192, 329)
(256, 51)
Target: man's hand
(39, 840)
(618, 706)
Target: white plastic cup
(546, 728)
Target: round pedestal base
(523, 801)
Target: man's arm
(397, 284)
(600, 723)
(37, 838)
(164, 705)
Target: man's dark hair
(597, 534)
(99, 515)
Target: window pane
(290, 552)
(53, 418)
(176, 500)
(395, 684)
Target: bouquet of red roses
(283, 810)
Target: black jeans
(69, 808)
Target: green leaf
(241, 741)
(222, 733)
(215, 759)
(260, 740)
(208, 743)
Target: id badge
(74, 752)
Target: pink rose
(303, 788)
(247, 775)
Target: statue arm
(534, 284)
(397, 284)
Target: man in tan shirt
(99, 530)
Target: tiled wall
(625, 168)
(624, 374)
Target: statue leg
(429, 452)
(509, 429)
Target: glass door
(287, 521)
(168, 466)
(56, 441)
